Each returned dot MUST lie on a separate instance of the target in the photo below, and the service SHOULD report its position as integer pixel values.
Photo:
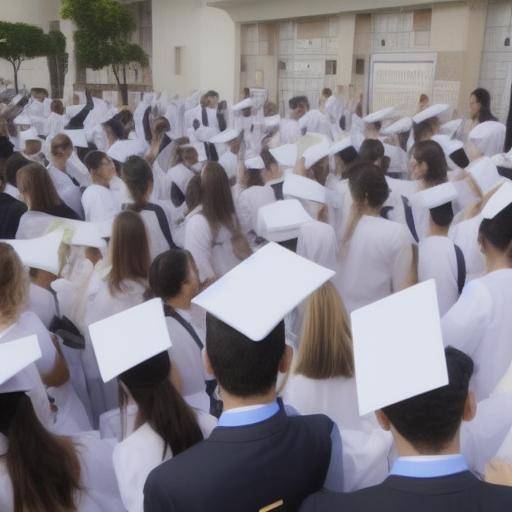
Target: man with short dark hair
(257, 456)
(430, 473)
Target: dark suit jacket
(247, 468)
(459, 492)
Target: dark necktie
(204, 115)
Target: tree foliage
(20, 42)
(102, 38)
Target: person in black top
(430, 473)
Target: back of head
(160, 126)
(60, 145)
(498, 231)
(424, 130)
(368, 185)
(297, 101)
(326, 92)
(13, 285)
(243, 367)
(371, 151)
(193, 193)
(138, 177)
(125, 117)
(430, 421)
(168, 272)
(129, 250)
(442, 215)
(216, 197)
(325, 349)
(57, 107)
(430, 152)
(44, 469)
(35, 184)
(160, 405)
(94, 159)
(13, 164)
(116, 128)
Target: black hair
(253, 178)
(460, 158)
(424, 130)
(371, 150)
(431, 420)
(212, 93)
(368, 183)
(117, 128)
(13, 164)
(442, 215)
(93, 160)
(498, 231)
(244, 367)
(296, 101)
(484, 99)
(168, 272)
(137, 175)
(430, 152)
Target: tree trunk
(508, 137)
(15, 69)
(124, 88)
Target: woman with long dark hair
(213, 234)
(40, 471)
(138, 177)
(480, 106)
(165, 426)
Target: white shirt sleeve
(466, 322)
(403, 261)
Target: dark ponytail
(160, 405)
(168, 272)
(44, 469)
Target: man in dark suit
(430, 474)
(258, 458)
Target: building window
(359, 66)
(331, 67)
(282, 65)
(177, 59)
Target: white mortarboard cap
(430, 112)
(78, 232)
(450, 128)
(485, 174)
(379, 115)
(121, 150)
(41, 253)
(205, 133)
(285, 155)
(23, 119)
(78, 138)
(398, 348)
(271, 282)
(105, 227)
(15, 357)
(281, 220)
(502, 160)
(304, 188)
(401, 126)
(225, 136)
(436, 196)
(247, 103)
(488, 137)
(453, 149)
(315, 153)
(129, 338)
(30, 134)
(255, 163)
(271, 121)
(498, 201)
(345, 147)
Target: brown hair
(430, 152)
(13, 284)
(57, 107)
(59, 144)
(137, 175)
(34, 182)
(326, 342)
(129, 250)
(44, 469)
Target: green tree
(57, 62)
(103, 37)
(20, 42)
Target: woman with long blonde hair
(322, 378)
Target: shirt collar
(429, 466)
(248, 416)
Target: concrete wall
(207, 38)
(33, 73)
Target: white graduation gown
(437, 260)
(317, 242)
(229, 162)
(97, 478)
(465, 235)
(157, 241)
(99, 203)
(214, 256)
(375, 263)
(480, 324)
(54, 124)
(289, 131)
(248, 204)
(66, 189)
(187, 358)
(42, 303)
(141, 452)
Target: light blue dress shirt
(429, 467)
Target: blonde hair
(326, 341)
(13, 284)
